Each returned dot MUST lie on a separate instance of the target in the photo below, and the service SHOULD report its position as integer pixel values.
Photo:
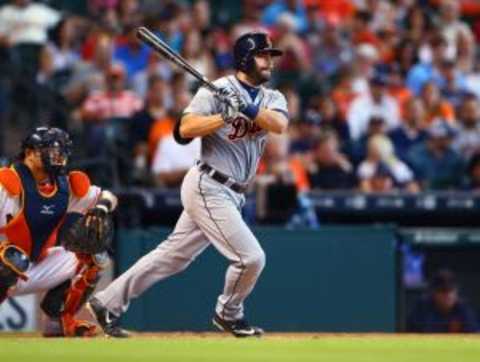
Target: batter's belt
(222, 178)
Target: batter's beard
(261, 76)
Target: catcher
(55, 230)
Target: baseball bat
(158, 45)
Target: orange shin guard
(82, 285)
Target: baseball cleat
(239, 327)
(107, 320)
(52, 328)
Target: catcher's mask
(249, 45)
(54, 145)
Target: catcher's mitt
(91, 234)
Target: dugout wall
(336, 279)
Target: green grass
(331, 348)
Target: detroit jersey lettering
(236, 148)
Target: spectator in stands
(332, 52)
(380, 156)
(165, 25)
(381, 181)
(154, 110)
(23, 28)
(411, 131)
(131, 53)
(156, 67)
(89, 76)
(296, 61)
(376, 103)
(62, 45)
(472, 182)
(198, 56)
(361, 30)
(453, 85)
(416, 23)
(424, 72)
(396, 85)
(171, 161)
(453, 28)
(436, 106)
(435, 163)
(114, 101)
(276, 164)
(343, 93)
(465, 54)
(302, 135)
(329, 168)
(251, 15)
(363, 67)
(128, 12)
(357, 150)
(467, 140)
(442, 310)
(201, 15)
(106, 115)
(323, 112)
(294, 8)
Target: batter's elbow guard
(177, 136)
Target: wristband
(105, 205)
(251, 111)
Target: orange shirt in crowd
(334, 11)
(444, 110)
(401, 95)
(161, 127)
(296, 168)
(343, 98)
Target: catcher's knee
(54, 300)
(71, 295)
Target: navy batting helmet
(55, 147)
(250, 44)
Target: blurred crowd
(383, 95)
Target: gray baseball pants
(211, 216)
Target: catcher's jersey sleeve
(9, 207)
(82, 204)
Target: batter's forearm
(272, 121)
(193, 125)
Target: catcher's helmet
(250, 44)
(55, 147)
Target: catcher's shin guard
(64, 301)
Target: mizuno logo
(47, 210)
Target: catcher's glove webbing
(90, 234)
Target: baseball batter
(233, 138)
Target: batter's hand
(230, 109)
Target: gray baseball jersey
(211, 213)
(236, 148)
